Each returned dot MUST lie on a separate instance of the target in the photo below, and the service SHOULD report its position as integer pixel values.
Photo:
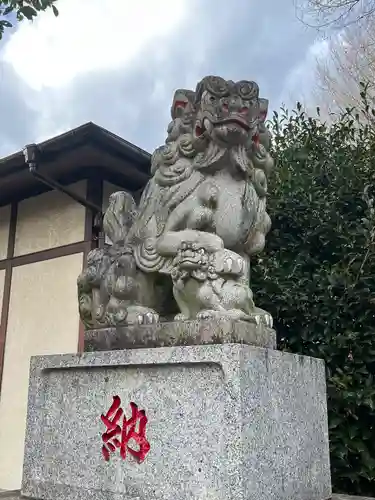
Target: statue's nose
(235, 104)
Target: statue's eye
(212, 98)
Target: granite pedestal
(169, 334)
(225, 422)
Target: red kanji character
(126, 432)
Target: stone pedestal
(225, 422)
(169, 334)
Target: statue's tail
(119, 216)
(121, 226)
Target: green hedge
(317, 274)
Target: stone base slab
(168, 334)
(225, 422)
(16, 495)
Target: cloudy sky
(118, 62)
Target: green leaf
(334, 421)
(28, 12)
(7, 11)
(6, 24)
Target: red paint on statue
(118, 434)
(179, 104)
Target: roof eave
(89, 131)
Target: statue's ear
(263, 109)
(182, 98)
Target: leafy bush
(317, 274)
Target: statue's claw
(181, 317)
(262, 317)
(269, 320)
(148, 318)
(207, 314)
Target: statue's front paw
(228, 262)
(206, 314)
(262, 317)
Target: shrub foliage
(317, 274)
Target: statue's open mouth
(233, 119)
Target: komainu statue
(184, 252)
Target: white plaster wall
(43, 319)
(49, 220)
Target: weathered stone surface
(201, 217)
(16, 495)
(180, 333)
(225, 422)
(10, 494)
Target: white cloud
(118, 62)
(77, 67)
(88, 35)
(298, 85)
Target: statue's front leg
(182, 303)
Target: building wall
(4, 230)
(49, 220)
(42, 319)
(42, 316)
